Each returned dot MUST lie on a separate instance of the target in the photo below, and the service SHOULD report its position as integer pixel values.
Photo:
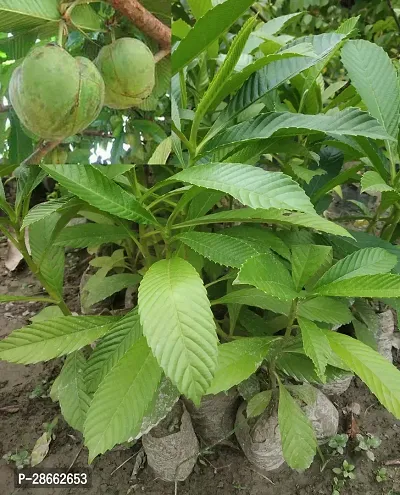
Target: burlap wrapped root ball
(172, 446)
(260, 439)
(128, 69)
(54, 94)
(214, 419)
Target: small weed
(381, 475)
(338, 443)
(366, 444)
(344, 473)
(21, 458)
(40, 391)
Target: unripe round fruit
(128, 69)
(54, 94)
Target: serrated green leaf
(48, 339)
(267, 273)
(71, 392)
(259, 236)
(380, 376)
(252, 186)
(274, 216)
(238, 360)
(89, 235)
(111, 348)
(381, 285)
(119, 404)
(179, 326)
(218, 248)
(316, 346)
(371, 181)
(325, 309)
(104, 287)
(44, 210)
(299, 443)
(254, 297)
(368, 261)
(375, 78)
(258, 403)
(307, 260)
(89, 184)
(206, 30)
(349, 122)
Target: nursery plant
(236, 273)
(60, 100)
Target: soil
(223, 471)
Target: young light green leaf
(238, 360)
(307, 260)
(206, 30)
(111, 348)
(179, 326)
(380, 285)
(89, 184)
(299, 443)
(121, 401)
(255, 297)
(48, 339)
(258, 403)
(221, 249)
(371, 181)
(252, 186)
(368, 261)
(43, 210)
(380, 376)
(107, 286)
(267, 273)
(89, 235)
(274, 216)
(316, 346)
(70, 390)
(349, 122)
(375, 78)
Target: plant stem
(184, 139)
(60, 38)
(291, 318)
(393, 12)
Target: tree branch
(389, 2)
(40, 152)
(145, 21)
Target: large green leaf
(120, 403)
(238, 360)
(380, 285)
(255, 297)
(89, 184)
(369, 261)
(27, 14)
(179, 326)
(206, 30)
(43, 210)
(260, 237)
(380, 376)
(371, 181)
(325, 309)
(70, 390)
(274, 216)
(219, 248)
(48, 339)
(375, 79)
(90, 234)
(103, 287)
(268, 274)
(307, 260)
(349, 122)
(316, 345)
(252, 186)
(299, 443)
(111, 348)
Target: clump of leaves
(366, 444)
(344, 473)
(381, 475)
(338, 443)
(21, 458)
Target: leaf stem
(291, 318)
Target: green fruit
(128, 70)
(54, 94)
